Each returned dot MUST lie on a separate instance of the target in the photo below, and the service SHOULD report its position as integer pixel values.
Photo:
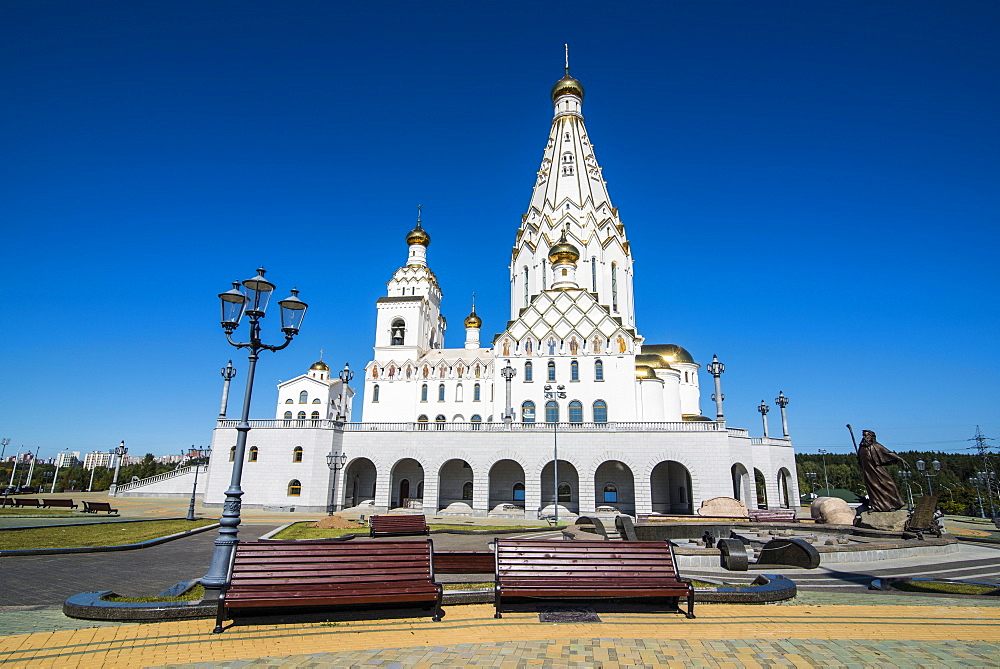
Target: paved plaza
(833, 622)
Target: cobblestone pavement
(722, 635)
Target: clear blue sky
(810, 189)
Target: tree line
(956, 493)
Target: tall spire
(570, 197)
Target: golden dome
(567, 86)
(692, 418)
(320, 366)
(644, 372)
(652, 360)
(563, 252)
(418, 236)
(669, 352)
(473, 320)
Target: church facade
(567, 404)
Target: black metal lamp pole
(199, 453)
(251, 300)
(120, 452)
(335, 463)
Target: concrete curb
(93, 606)
(107, 549)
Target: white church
(567, 405)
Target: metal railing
(180, 471)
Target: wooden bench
(6, 501)
(398, 524)
(764, 515)
(64, 503)
(298, 574)
(588, 570)
(20, 501)
(94, 507)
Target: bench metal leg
(690, 611)
(220, 617)
(438, 611)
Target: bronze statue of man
(883, 495)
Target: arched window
(398, 332)
(552, 412)
(440, 392)
(303, 397)
(301, 415)
(375, 390)
(232, 453)
(294, 488)
(567, 158)
(459, 393)
(528, 412)
(289, 401)
(576, 411)
(467, 490)
(598, 370)
(517, 494)
(527, 371)
(315, 415)
(611, 493)
(525, 285)
(600, 411)
(477, 392)
(614, 286)
(552, 370)
(476, 420)
(439, 422)
(297, 454)
(422, 422)
(565, 492)
(685, 377)
(423, 393)
(593, 274)
(574, 371)
(288, 415)
(545, 276)
(253, 454)
(316, 401)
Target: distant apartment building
(98, 459)
(67, 458)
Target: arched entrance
(569, 488)
(359, 482)
(784, 496)
(614, 486)
(506, 485)
(670, 488)
(452, 477)
(406, 484)
(760, 485)
(741, 483)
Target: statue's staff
(853, 439)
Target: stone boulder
(889, 521)
(832, 510)
(725, 507)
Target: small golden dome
(473, 320)
(644, 372)
(563, 252)
(320, 366)
(693, 418)
(669, 352)
(567, 86)
(418, 236)
(653, 360)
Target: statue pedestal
(890, 521)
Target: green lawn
(944, 588)
(106, 534)
(302, 531)
(8, 511)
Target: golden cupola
(418, 236)
(473, 320)
(567, 86)
(564, 252)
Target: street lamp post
(250, 299)
(826, 479)
(4, 443)
(55, 477)
(716, 368)
(199, 453)
(120, 452)
(228, 372)
(909, 490)
(974, 480)
(922, 468)
(335, 463)
(508, 374)
(812, 483)
(782, 402)
(345, 377)
(763, 409)
(14, 468)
